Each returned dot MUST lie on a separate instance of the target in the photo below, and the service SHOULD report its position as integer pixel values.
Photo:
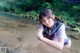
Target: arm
(58, 45)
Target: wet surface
(21, 37)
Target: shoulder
(41, 26)
(62, 27)
(40, 29)
(61, 32)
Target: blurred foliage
(46, 5)
(18, 11)
(33, 14)
(67, 10)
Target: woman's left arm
(58, 45)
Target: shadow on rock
(74, 37)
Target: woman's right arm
(40, 33)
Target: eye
(48, 18)
(42, 21)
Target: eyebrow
(42, 20)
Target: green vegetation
(68, 11)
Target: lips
(47, 24)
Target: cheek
(51, 22)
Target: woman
(52, 30)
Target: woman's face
(49, 22)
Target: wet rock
(76, 29)
(74, 37)
(78, 24)
(68, 27)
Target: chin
(49, 26)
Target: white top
(59, 34)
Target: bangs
(45, 13)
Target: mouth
(48, 25)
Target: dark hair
(46, 13)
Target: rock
(78, 24)
(68, 27)
(75, 37)
(76, 29)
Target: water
(20, 35)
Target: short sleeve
(41, 27)
(61, 32)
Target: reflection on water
(21, 36)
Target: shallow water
(20, 36)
